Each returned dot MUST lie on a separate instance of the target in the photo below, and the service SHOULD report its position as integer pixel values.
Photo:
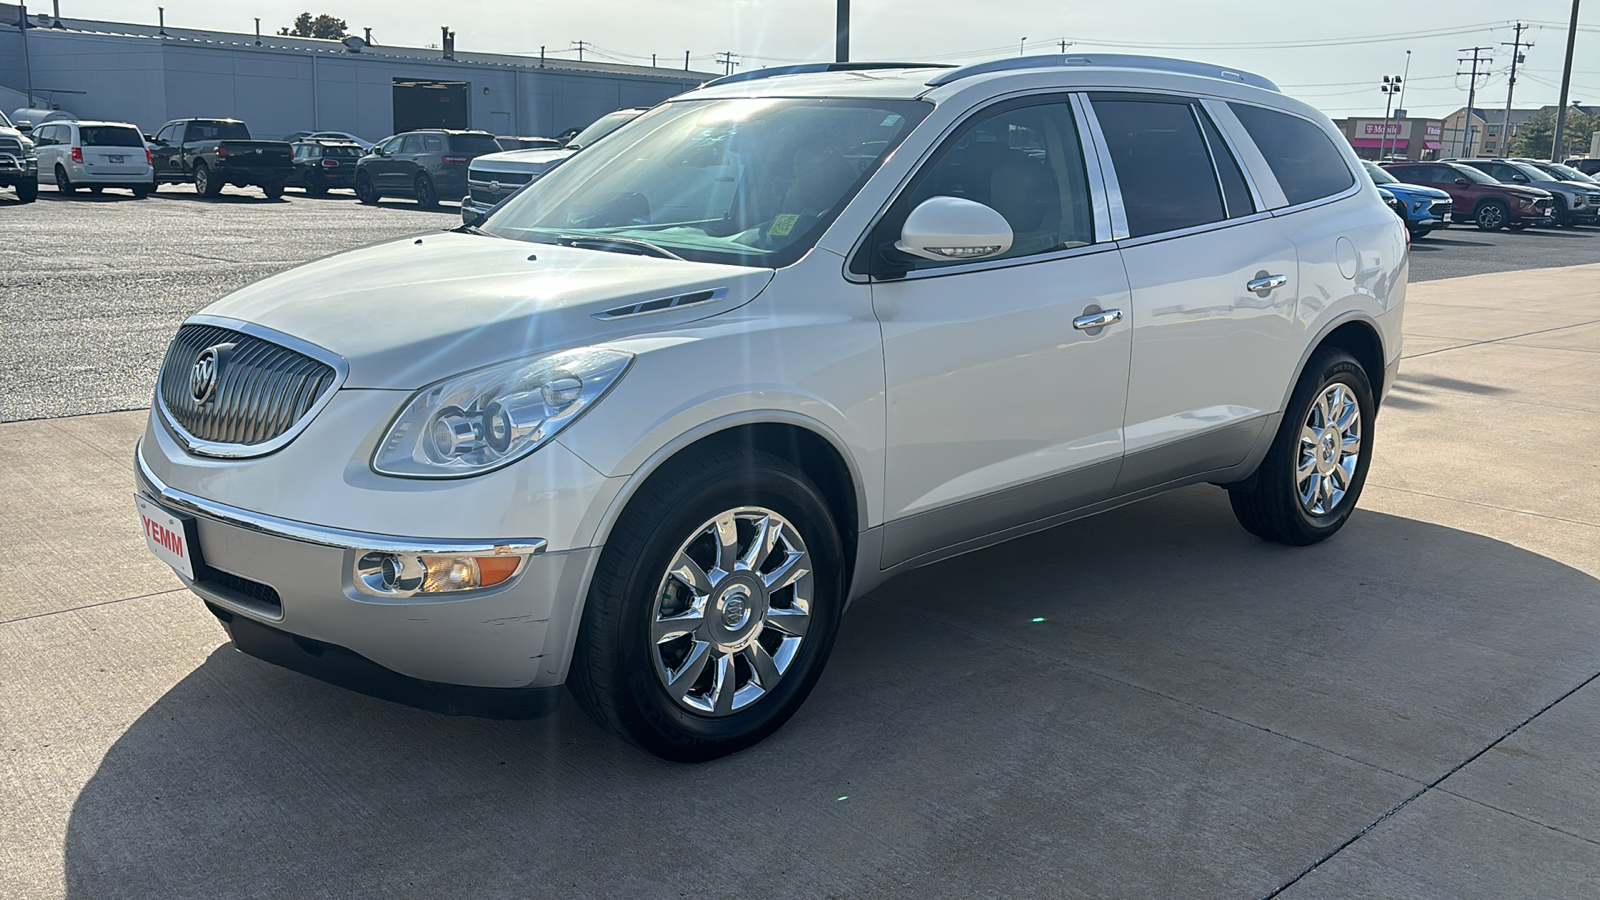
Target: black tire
(1491, 215)
(64, 183)
(204, 184)
(316, 190)
(427, 197)
(142, 191)
(1563, 216)
(613, 673)
(366, 191)
(273, 191)
(1268, 504)
(27, 191)
(1420, 233)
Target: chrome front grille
(260, 393)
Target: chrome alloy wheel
(1330, 450)
(732, 611)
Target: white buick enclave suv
(649, 428)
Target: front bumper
(285, 591)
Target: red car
(1478, 198)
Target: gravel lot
(95, 285)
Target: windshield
(1533, 172)
(1473, 175)
(1379, 176)
(1568, 172)
(601, 127)
(5, 122)
(749, 182)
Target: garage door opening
(421, 103)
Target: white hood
(414, 310)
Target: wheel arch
(1356, 334)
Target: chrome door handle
(1097, 319)
(1268, 283)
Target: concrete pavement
(1407, 710)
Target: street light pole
(1566, 82)
(1391, 86)
(841, 32)
(1020, 46)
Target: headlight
(479, 421)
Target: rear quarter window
(1301, 155)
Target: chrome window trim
(1193, 229)
(200, 447)
(1101, 192)
(305, 532)
(1117, 211)
(1102, 239)
(1269, 194)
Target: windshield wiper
(619, 244)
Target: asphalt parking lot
(1150, 703)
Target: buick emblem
(207, 372)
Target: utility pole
(1511, 86)
(727, 59)
(841, 32)
(580, 45)
(1472, 90)
(1064, 43)
(27, 63)
(1391, 86)
(1556, 153)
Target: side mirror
(149, 140)
(1520, 178)
(25, 127)
(950, 228)
(1463, 182)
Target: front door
(167, 154)
(1001, 411)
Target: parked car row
(1490, 193)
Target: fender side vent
(662, 304)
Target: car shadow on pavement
(1148, 703)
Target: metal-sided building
(149, 74)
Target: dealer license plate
(170, 537)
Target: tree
(1537, 135)
(324, 26)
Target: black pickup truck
(214, 152)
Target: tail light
(149, 158)
(77, 154)
(222, 152)
(330, 163)
(457, 160)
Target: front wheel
(1312, 476)
(273, 191)
(366, 192)
(1492, 216)
(713, 607)
(27, 191)
(1420, 233)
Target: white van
(94, 155)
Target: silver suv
(651, 426)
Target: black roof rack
(1110, 60)
(806, 68)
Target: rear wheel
(1312, 476)
(316, 190)
(63, 183)
(204, 184)
(366, 192)
(142, 191)
(1491, 215)
(713, 607)
(273, 191)
(27, 191)
(427, 197)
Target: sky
(1330, 54)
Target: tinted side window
(1025, 162)
(168, 134)
(432, 143)
(1162, 163)
(1302, 157)
(412, 144)
(109, 136)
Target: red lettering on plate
(165, 537)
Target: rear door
(112, 149)
(1214, 281)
